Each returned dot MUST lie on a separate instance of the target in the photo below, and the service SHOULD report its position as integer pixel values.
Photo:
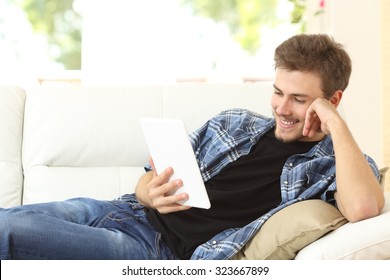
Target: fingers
(312, 124)
(161, 193)
(169, 203)
(174, 207)
(319, 116)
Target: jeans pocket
(128, 201)
(119, 219)
(128, 221)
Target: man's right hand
(156, 191)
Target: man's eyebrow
(275, 87)
(294, 94)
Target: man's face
(294, 91)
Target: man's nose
(284, 107)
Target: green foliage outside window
(61, 24)
(243, 18)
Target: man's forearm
(359, 195)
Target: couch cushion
(53, 183)
(85, 141)
(12, 101)
(291, 229)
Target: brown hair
(318, 54)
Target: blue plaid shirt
(230, 135)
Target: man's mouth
(287, 123)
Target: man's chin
(286, 140)
(287, 137)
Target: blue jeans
(80, 228)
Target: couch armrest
(12, 100)
(367, 239)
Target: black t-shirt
(243, 191)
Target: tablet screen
(169, 146)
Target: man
(252, 167)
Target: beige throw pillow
(291, 229)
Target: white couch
(63, 142)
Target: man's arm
(153, 191)
(359, 195)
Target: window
(149, 41)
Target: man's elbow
(364, 210)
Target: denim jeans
(80, 228)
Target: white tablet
(170, 146)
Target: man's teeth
(288, 122)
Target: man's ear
(336, 98)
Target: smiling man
(253, 166)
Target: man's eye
(300, 101)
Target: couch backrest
(87, 141)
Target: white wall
(356, 24)
(385, 61)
